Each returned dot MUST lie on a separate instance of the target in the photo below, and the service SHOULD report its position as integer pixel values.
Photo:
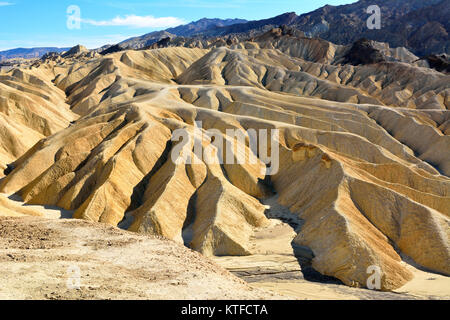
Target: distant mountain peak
(75, 50)
(183, 31)
(28, 53)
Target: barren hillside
(364, 150)
(110, 263)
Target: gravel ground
(72, 259)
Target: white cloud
(137, 22)
(4, 4)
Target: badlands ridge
(364, 150)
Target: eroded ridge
(364, 153)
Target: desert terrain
(88, 179)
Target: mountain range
(197, 27)
(28, 53)
(422, 26)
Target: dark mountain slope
(419, 25)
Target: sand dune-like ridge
(364, 153)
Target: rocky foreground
(364, 150)
(56, 259)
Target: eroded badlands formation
(364, 150)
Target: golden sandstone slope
(31, 108)
(364, 151)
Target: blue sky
(31, 23)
